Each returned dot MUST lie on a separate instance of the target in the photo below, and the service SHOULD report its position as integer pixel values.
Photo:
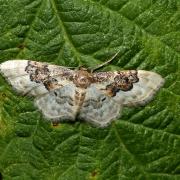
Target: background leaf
(145, 142)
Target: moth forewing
(143, 91)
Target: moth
(64, 94)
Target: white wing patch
(62, 94)
(14, 72)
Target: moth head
(82, 78)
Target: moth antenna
(105, 63)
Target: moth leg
(55, 124)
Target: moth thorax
(82, 79)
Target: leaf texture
(145, 142)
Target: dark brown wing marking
(41, 73)
(116, 81)
(38, 72)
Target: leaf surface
(145, 142)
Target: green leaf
(145, 142)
